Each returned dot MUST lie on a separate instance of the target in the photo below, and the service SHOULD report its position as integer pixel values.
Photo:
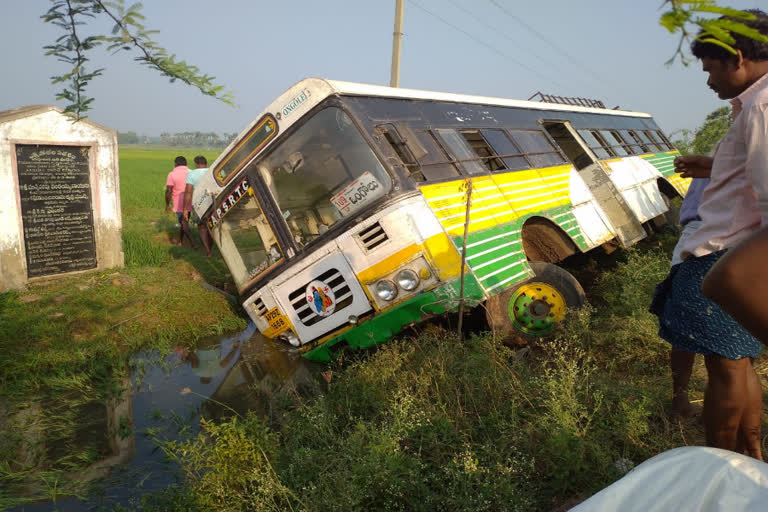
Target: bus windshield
(323, 172)
(246, 240)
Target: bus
(347, 212)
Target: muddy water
(167, 396)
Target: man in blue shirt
(193, 177)
(681, 361)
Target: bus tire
(531, 309)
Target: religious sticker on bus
(320, 298)
(363, 190)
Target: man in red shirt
(174, 193)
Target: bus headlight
(407, 279)
(386, 290)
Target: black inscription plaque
(55, 192)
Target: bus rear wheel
(532, 309)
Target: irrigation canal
(164, 399)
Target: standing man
(174, 194)
(193, 177)
(681, 361)
(733, 207)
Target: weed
(433, 423)
(228, 467)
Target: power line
(517, 43)
(482, 43)
(533, 31)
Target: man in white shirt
(733, 207)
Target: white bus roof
(302, 96)
(351, 88)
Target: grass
(433, 423)
(64, 353)
(426, 422)
(148, 232)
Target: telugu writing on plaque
(55, 192)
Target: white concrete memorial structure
(59, 196)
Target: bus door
(626, 225)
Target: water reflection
(218, 377)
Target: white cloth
(688, 230)
(693, 478)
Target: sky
(614, 51)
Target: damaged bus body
(345, 211)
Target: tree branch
(72, 48)
(78, 54)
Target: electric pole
(397, 37)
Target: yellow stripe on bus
(443, 256)
(389, 264)
(498, 199)
(680, 183)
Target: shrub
(227, 467)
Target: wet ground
(168, 395)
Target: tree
(702, 140)
(128, 34)
(689, 16)
(715, 126)
(127, 138)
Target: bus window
(512, 156)
(605, 144)
(407, 146)
(404, 153)
(463, 153)
(537, 148)
(650, 140)
(626, 146)
(664, 139)
(594, 144)
(257, 138)
(611, 139)
(323, 172)
(483, 150)
(638, 145)
(435, 164)
(246, 240)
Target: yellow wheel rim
(536, 307)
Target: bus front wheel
(530, 310)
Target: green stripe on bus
(568, 223)
(663, 162)
(496, 256)
(384, 326)
(494, 282)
